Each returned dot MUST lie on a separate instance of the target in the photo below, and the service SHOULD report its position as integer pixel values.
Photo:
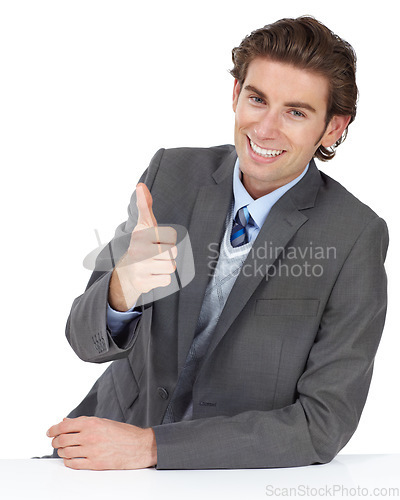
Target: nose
(267, 125)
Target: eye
(257, 100)
(297, 113)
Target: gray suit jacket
(288, 370)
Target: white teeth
(267, 153)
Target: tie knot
(242, 216)
(239, 235)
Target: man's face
(280, 121)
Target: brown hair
(308, 44)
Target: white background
(89, 90)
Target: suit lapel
(206, 228)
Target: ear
(334, 130)
(236, 92)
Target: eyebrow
(296, 104)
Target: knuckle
(97, 464)
(61, 441)
(68, 452)
(90, 438)
(92, 422)
(71, 464)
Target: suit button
(163, 393)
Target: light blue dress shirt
(258, 209)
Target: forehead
(283, 81)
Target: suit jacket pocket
(287, 307)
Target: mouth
(265, 153)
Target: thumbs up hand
(150, 259)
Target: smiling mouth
(265, 153)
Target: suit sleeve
(331, 391)
(86, 329)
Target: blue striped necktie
(239, 236)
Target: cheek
(303, 137)
(243, 116)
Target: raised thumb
(144, 202)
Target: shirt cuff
(117, 320)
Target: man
(265, 358)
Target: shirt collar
(260, 208)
